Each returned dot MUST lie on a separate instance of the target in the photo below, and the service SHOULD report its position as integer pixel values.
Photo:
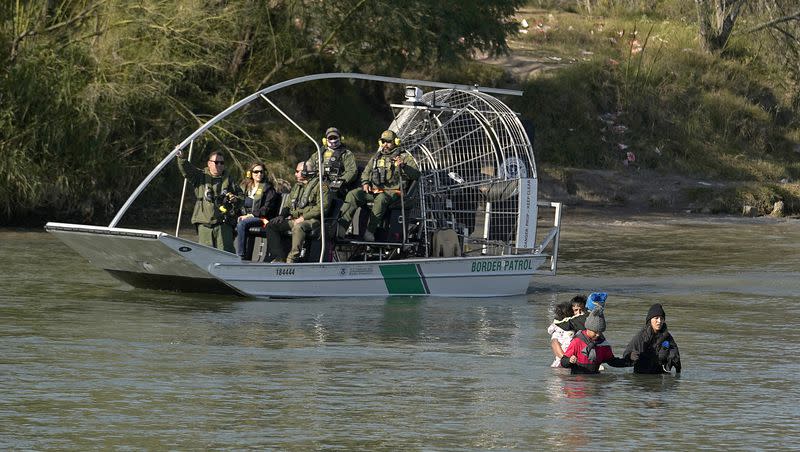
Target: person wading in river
(560, 338)
(589, 349)
(581, 308)
(653, 350)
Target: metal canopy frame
(276, 87)
(462, 139)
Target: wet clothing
(218, 230)
(649, 354)
(574, 323)
(563, 337)
(339, 165)
(260, 200)
(381, 173)
(590, 354)
(303, 202)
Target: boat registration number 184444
(498, 266)
(284, 271)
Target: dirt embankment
(629, 188)
(633, 189)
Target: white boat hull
(139, 258)
(156, 260)
(451, 277)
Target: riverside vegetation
(95, 92)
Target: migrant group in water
(577, 341)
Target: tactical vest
(301, 200)
(333, 164)
(212, 189)
(206, 209)
(383, 169)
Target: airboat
(478, 187)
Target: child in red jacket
(589, 348)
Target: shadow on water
(402, 318)
(176, 301)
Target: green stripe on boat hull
(403, 279)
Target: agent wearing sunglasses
(260, 203)
(385, 177)
(211, 185)
(338, 162)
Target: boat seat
(391, 228)
(445, 243)
(256, 234)
(313, 245)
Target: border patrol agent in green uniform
(381, 183)
(209, 184)
(301, 214)
(338, 162)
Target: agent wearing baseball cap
(383, 181)
(338, 162)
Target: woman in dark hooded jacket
(653, 350)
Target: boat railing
(549, 243)
(320, 170)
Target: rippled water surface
(87, 363)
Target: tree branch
(335, 31)
(66, 23)
(772, 23)
(291, 60)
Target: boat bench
(313, 247)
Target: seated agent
(338, 163)
(382, 183)
(589, 349)
(653, 350)
(215, 192)
(301, 215)
(260, 203)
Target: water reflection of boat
(478, 184)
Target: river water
(87, 363)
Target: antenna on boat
(183, 193)
(319, 167)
